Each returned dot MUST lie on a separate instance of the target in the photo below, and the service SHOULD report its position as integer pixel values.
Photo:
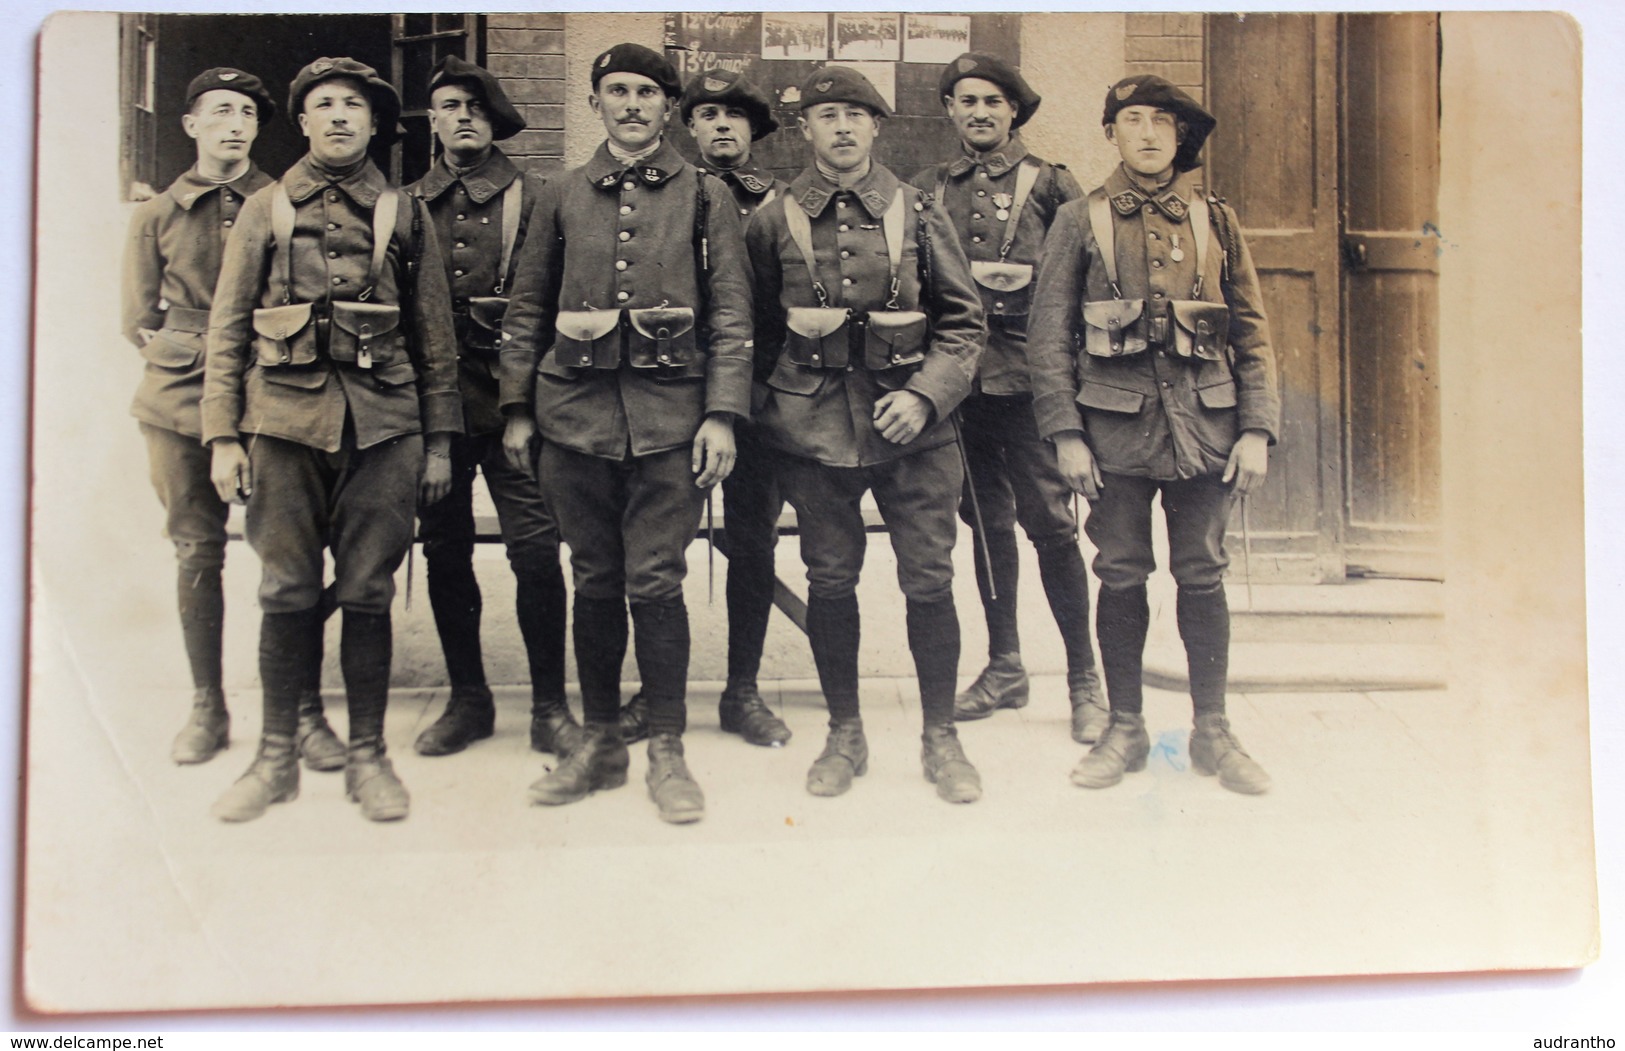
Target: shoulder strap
(1100, 223)
(942, 184)
(891, 225)
(1026, 178)
(512, 203)
(767, 198)
(800, 228)
(1202, 231)
(383, 228)
(282, 232)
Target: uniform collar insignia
(1128, 201)
(1173, 205)
(752, 182)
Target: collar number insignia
(1126, 91)
(966, 65)
(715, 85)
(1126, 201)
(825, 85)
(228, 76)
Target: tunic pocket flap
(662, 322)
(1220, 395)
(396, 375)
(791, 378)
(1001, 277)
(1111, 399)
(281, 322)
(307, 379)
(816, 322)
(173, 350)
(366, 320)
(586, 325)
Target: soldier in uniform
(869, 328)
(1002, 199)
(1153, 375)
(331, 348)
(627, 343)
(171, 262)
(481, 207)
(726, 114)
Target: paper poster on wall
(726, 32)
(935, 38)
(883, 75)
(863, 37)
(795, 35)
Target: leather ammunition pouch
(285, 336)
(662, 338)
(818, 337)
(366, 335)
(1006, 287)
(479, 324)
(588, 339)
(1201, 329)
(893, 339)
(1114, 328)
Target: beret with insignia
(1145, 89)
(842, 84)
(996, 70)
(386, 103)
(635, 58)
(726, 87)
(224, 78)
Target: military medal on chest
(1177, 254)
(1002, 201)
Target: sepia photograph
(535, 507)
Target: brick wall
(526, 52)
(1168, 45)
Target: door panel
(1272, 86)
(1391, 186)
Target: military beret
(994, 69)
(386, 103)
(635, 58)
(1146, 89)
(505, 119)
(724, 86)
(224, 78)
(842, 84)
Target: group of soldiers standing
(607, 345)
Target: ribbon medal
(1002, 201)
(1177, 254)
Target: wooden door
(1272, 84)
(1390, 182)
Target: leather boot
(1090, 716)
(1215, 750)
(273, 777)
(470, 716)
(743, 712)
(671, 786)
(1002, 684)
(207, 729)
(599, 763)
(1122, 749)
(945, 765)
(634, 720)
(553, 727)
(318, 744)
(369, 779)
(845, 756)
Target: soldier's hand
(902, 416)
(435, 481)
(1077, 465)
(1249, 461)
(517, 440)
(714, 450)
(230, 471)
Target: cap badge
(228, 77)
(1125, 91)
(715, 85)
(603, 60)
(824, 85)
(320, 66)
(966, 65)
